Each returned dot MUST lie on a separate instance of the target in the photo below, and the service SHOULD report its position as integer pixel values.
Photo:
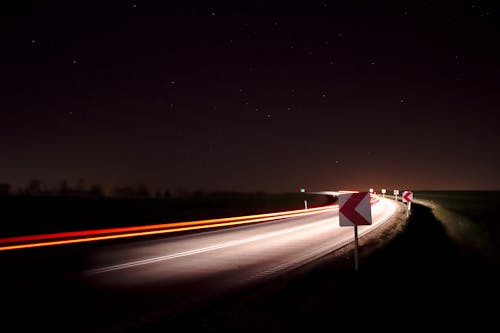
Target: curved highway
(121, 284)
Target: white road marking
(207, 249)
(385, 206)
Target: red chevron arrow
(408, 196)
(349, 208)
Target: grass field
(471, 218)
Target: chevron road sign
(355, 209)
(407, 196)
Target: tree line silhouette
(81, 188)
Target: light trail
(209, 248)
(103, 234)
(172, 274)
(84, 236)
(256, 251)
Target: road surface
(105, 286)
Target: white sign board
(407, 196)
(355, 209)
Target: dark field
(471, 218)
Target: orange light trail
(103, 234)
(73, 237)
(150, 227)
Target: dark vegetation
(472, 216)
(420, 281)
(31, 214)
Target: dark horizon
(251, 97)
(83, 187)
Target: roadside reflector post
(396, 192)
(303, 190)
(356, 260)
(355, 209)
(383, 193)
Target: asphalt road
(121, 285)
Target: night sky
(252, 96)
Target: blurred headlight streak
(73, 237)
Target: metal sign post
(383, 193)
(396, 192)
(356, 260)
